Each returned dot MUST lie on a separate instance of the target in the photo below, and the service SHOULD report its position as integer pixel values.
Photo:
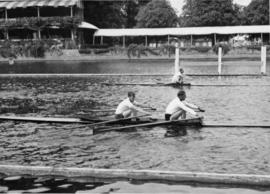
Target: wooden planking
(150, 175)
(43, 119)
(232, 125)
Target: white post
(71, 11)
(263, 60)
(219, 59)
(176, 61)
(124, 42)
(101, 40)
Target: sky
(177, 4)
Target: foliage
(201, 49)
(257, 13)
(156, 14)
(34, 23)
(209, 13)
(138, 50)
(32, 48)
(106, 14)
(131, 9)
(225, 48)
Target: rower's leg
(127, 113)
(179, 114)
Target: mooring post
(219, 59)
(263, 60)
(176, 61)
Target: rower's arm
(191, 105)
(139, 109)
(187, 109)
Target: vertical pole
(93, 39)
(71, 11)
(72, 34)
(176, 61)
(168, 40)
(6, 18)
(146, 41)
(101, 40)
(38, 12)
(124, 42)
(6, 15)
(263, 60)
(38, 31)
(215, 38)
(219, 59)
(191, 41)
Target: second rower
(129, 107)
(178, 107)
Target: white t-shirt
(178, 77)
(124, 106)
(176, 105)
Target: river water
(219, 150)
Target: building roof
(36, 3)
(183, 31)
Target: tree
(104, 14)
(257, 13)
(209, 13)
(156, 14)
(131, 9)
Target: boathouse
(43, 19)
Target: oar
(111, 110)
(116, 120)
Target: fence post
(176, 61)
(263, 60)
(219, 59)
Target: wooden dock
(145, 175)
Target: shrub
(225, 48)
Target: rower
(178, 77)
(178, 107)
(129, 107)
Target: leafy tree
(209, 13)
(104, 14)
(257, 13)
(156, 14)
(131, 9)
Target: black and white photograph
(135, 96)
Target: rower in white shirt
(178, 77)
(129, 107)
(178, 107)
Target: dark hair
(181, 93)
(131, 94)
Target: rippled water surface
(225, 150)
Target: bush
(85, 51)
(225, 48)
(202, 49)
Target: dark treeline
(159, 13)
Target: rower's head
(181, 95)
(131, 96)
(181, 70)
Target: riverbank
(109, 57)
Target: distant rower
(178, 107)
(178, 77)
(129, 107)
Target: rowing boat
(86, 120)
(159, 122)
(148, 84)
